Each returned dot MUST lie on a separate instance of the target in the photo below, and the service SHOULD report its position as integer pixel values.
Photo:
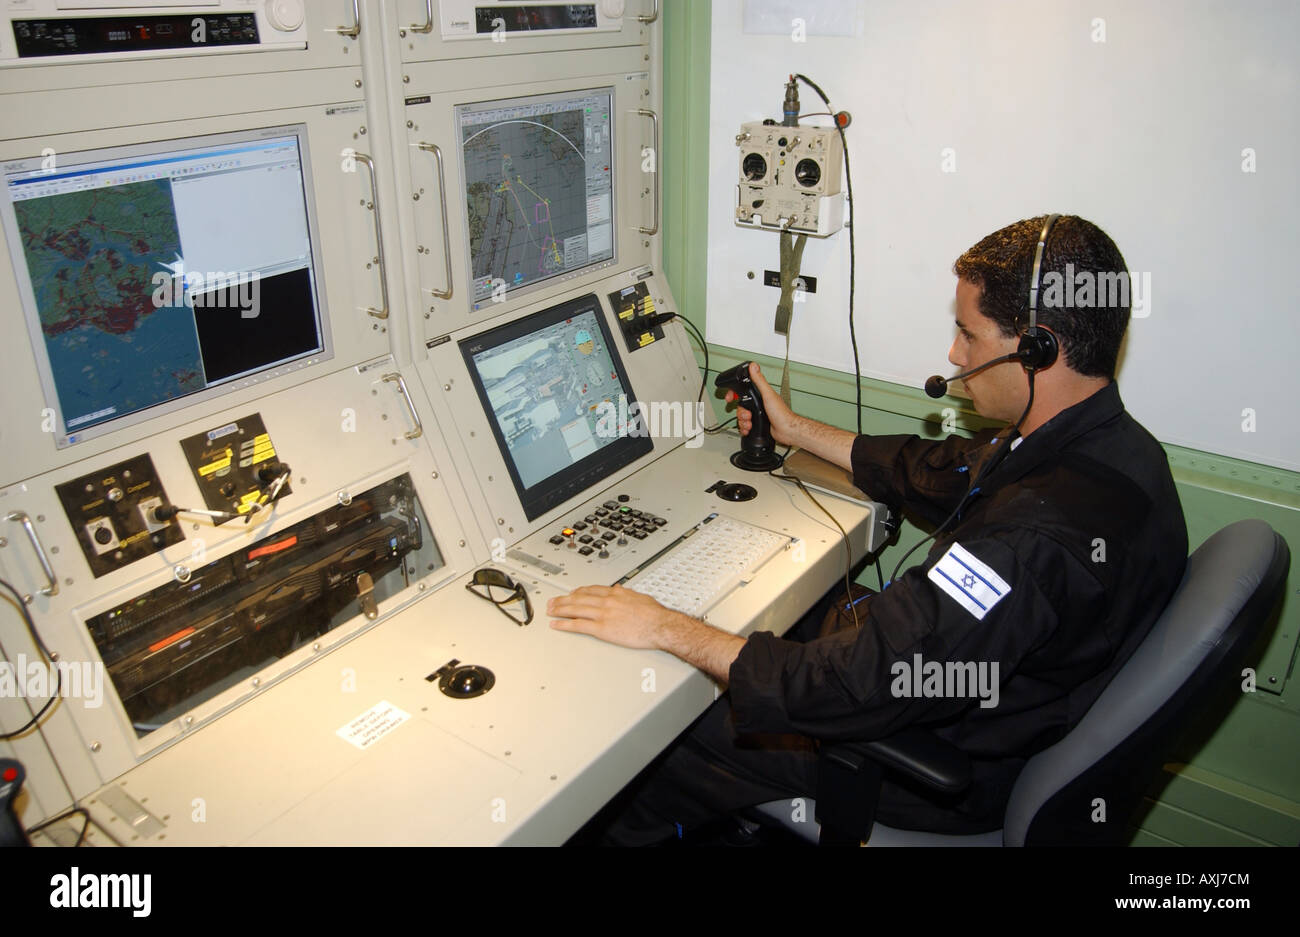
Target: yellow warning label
(216, 466)
(646, 339)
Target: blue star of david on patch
(970, 582)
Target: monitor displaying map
(156, 275)
(558, 400)
(539, 189)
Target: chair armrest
(914, 753)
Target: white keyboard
(712, 559)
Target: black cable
(58, 674)
(63, 816)
(704, 346)
(85, 827)
(853, 253)
(848, 549)
(974, 487)
(705, 379)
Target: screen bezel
(31, 316)
(463, 203)
(588, 471)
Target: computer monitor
(157, 275)
(539, 189)
(558, 400)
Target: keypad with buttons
(613, 525)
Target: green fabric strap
(791, 258)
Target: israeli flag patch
(972, 584)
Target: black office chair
(1233, 583)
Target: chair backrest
(1231, 585)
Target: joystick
(12, 776)
(757, 449)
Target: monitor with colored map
(539, 189)
(558, 401)
(156, 275)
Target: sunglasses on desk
(503, 592)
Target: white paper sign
(373, 724)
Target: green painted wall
(1237, 777)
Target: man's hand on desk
(628, 618)
(791, 429)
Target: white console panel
(664, 372)
(437, 228)
(291, 34)
(452, 29)
(346, 226)
(341, 434)
(569, 721)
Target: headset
(1038, 348)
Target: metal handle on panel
(382, 312)
(446, 232)
(652, 17)
(646, 112)
(22, 518)
(427, 25)
(355, 29)
(415, 417)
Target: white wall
(1142, 133)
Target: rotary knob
(285, 15)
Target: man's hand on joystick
(782, 420)
(757, 448)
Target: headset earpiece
(1038, 348)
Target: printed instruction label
(373, 724)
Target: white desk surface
(568, 723)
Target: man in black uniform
(1059, 541)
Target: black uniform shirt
(1054, 571)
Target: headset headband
(1038, 266)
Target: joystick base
(756, 461)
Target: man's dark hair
(1001, 265)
